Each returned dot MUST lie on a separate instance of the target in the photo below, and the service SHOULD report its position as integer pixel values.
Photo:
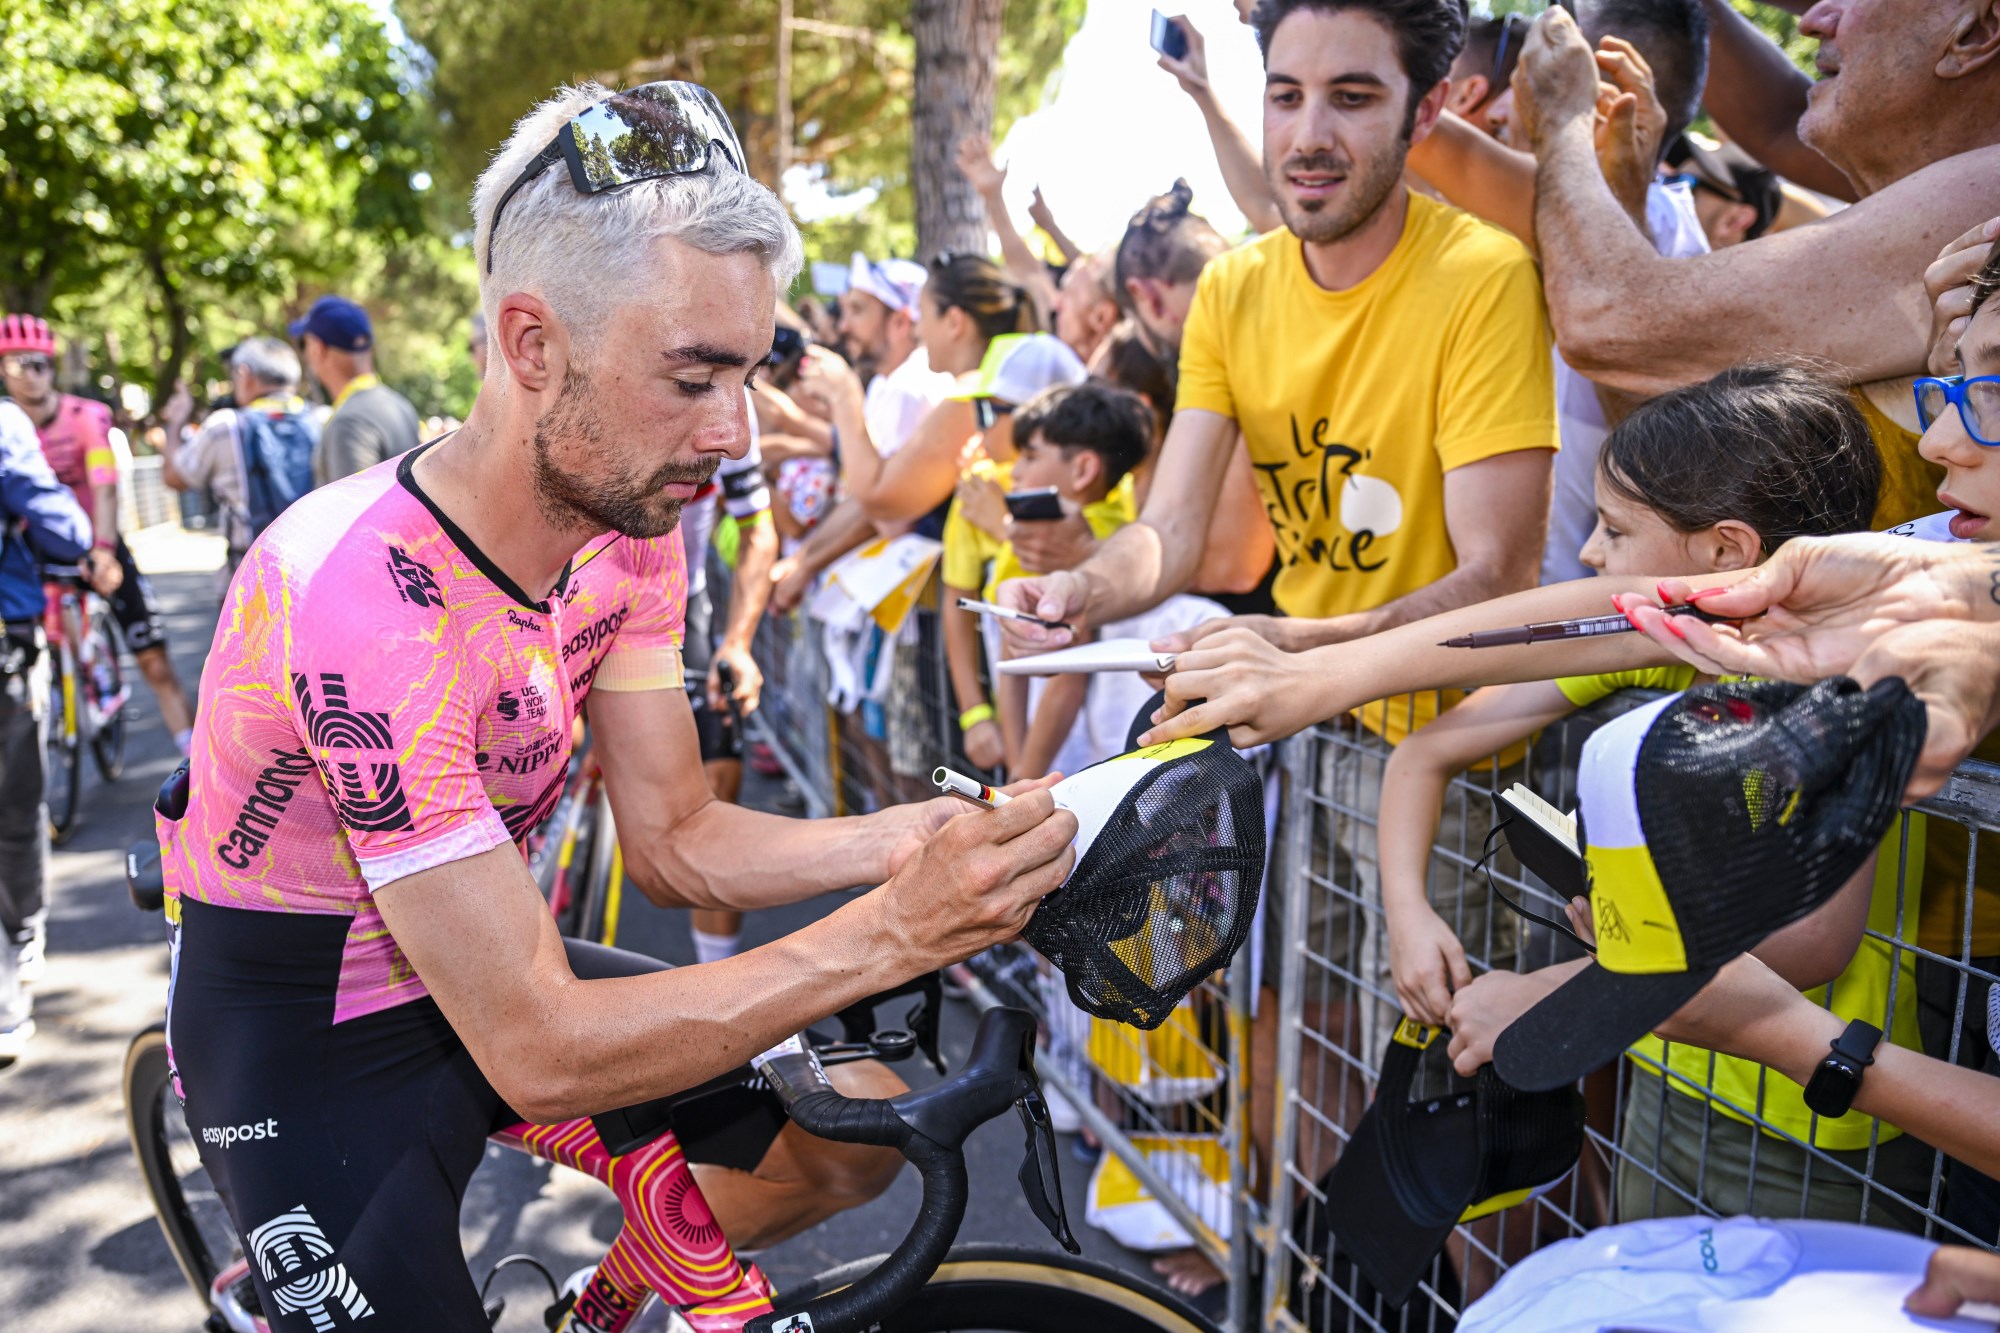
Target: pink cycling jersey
(380, 700)
(77, 443)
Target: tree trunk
(173, 308)
(958, 51)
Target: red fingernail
(1660, 591)
(1673, 623)
(1618, 601)
(1706, 592)
(1632, 619)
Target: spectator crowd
(1539, 310)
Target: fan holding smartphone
(1074, 447)
(1168, 39)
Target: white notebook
(1103, 655)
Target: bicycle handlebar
(929, 1127)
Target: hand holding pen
(1557, 631)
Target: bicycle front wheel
(190, 1213)
(64, 749)
(1014, 1289)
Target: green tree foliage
(176, 173)
(852, 72)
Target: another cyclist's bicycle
(669, 1249)
(87, 693)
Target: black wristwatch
(1838, 1077)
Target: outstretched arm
(1262, 693)
(975, 159)
(1242, 165)
(1848, 290)
(1750, 1012)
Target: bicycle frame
(68, 612)
(669, 1245)
(62, 623)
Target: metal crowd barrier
(1636, 1164)
(1189, 1127)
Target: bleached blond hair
(582, 253)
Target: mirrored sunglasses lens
(654, 131)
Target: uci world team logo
(299, 1267)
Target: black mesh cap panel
(1759, 799)
(1165, 893)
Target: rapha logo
(299, 1267)
(519, 621)
(368, 793)
(413, 579)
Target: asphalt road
(79, 1250)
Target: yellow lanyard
(354, 386)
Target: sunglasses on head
(651, 132)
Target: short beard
(636, 507)
(1369, 185)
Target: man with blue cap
(370, 420)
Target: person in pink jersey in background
(76, 438)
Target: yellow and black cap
(1709, 820)
(1435, 1150)
(1169, 866)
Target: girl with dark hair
(1706, 479)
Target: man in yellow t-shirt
(1384, 356)
(1386, 359)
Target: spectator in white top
(878, 320)
(878, 325)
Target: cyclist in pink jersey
(76, 439)
(366, 980)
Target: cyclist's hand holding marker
(975, 881)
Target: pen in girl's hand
(1555, 631)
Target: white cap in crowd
(894, 282)
(1020, 365)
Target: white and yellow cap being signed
(1169, 865)
(1709, 820)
